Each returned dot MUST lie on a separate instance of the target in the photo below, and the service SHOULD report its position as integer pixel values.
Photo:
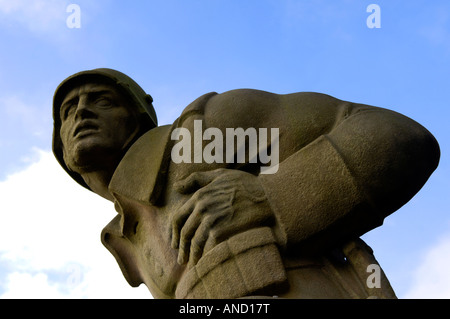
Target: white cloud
(28, 116)
(37, 15)
(431, 279)
(50, 242)
(35, 285)
(50, 238)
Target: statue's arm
(343, 168)
(347, 180)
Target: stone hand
(224, 202)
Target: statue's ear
(124, 252)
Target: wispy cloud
(436, 30)
(26, 121)
(50, 238)
(29, 117)
(431, 278)
(39, 16)
(329, 19)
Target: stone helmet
(141, 101)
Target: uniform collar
(141, 173)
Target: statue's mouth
(85, 128)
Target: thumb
(196, 181)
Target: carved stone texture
(214, 224)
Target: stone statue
(214, 224)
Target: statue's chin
(90, 157)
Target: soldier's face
(96, 124)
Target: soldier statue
(202, 228)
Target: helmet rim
(139, 97)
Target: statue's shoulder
(138, 174)
(258, 108)
(241, 101)
(231, 101)
(197, 106)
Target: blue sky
(178, 50)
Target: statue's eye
(67, 109)
(103, 102)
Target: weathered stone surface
(216, 228)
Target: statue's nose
(85, 109)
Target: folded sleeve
(346, 181)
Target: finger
(189, 228)
(196, 181)
(202, 235)
(206, 207)
(193, 182)
(206, 204)
(199, 240)
(179, 218)
(212, 241)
